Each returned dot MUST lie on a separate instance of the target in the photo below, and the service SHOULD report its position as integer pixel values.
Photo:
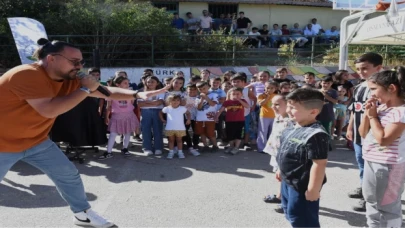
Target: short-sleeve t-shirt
(391, 154)
(266, 111)
(221, 94)
(327, 113)
(190, 105)
(298, 147)
(175, 118)
(22, 126)
(235, 112)
(207, 112)
(123, 106)
(259, 88)
(273, 143)
(154, 98)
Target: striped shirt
(361, 95)
(395, 152)
(259, 88)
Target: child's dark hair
(206, 70)
(148, 70)
(191, 86)
(283, 95)
(284, 84)
(177, 78)
(195, 78)
(339, 74)
(274, 83)
(50, 47)
(118, 80)
(266, 72)
(327, 79)
(395, 77)
(282, 69)
(119, 72)
(230, 72)
(309, 98)
(94, 70)
(216, 79)
(294, 85)
(173, 97)
(235, 89)
(309, 74)
(202, 84)
(159, 85)
(239, 76)
(168, 79)
(370, 57)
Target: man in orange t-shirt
(33, 96)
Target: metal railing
(192, 50)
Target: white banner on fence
(135, 73)
(26, 33)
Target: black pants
(219, 127)
(191, 141)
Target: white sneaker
(91, 219)
(158, 152)
(171, 154)
(194, 152)
(181, 154)
(148, 152)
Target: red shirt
(235, 111)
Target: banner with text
(135, 73)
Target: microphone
(100, 89)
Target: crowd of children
(295, 125)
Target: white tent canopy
(385, 29)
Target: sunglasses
(74, 62)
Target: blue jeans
(48, 158)
(359, 158)
(150, 121)
(299, 211)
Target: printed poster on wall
(26, 33)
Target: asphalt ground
(212, 190)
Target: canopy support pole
(346, 38)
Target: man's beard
(71, 75)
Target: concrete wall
(195, 8)
(261, 14)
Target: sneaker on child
(180, 154)
(148, 152)
(158, 152)
(171, 154)
(194, 152)
(105, 156)
(90, 218)
(125, 152)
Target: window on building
(171, 7)
(218, 9)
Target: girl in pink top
(123, 120)
(382, 128)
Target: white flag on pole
(26, 33)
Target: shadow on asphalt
(159, 169)
(353, 219)
(32, 196)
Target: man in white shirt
(317, 27)
(206, 22)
